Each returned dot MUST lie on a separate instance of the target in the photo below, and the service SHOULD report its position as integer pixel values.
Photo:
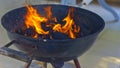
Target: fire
(48, 11)
(34, 20)
(68, 28)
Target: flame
(48, 11)
(69, 27)
(34, 20)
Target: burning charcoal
(58, 35)
(30, 32)
(44, 26)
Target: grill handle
(13, 53)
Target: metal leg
(45, 65)
(77, 63)
(28, 65)
(10, 43)
(16, 54)
(32, 53)
(107, 7)
(13, 53)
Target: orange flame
(69, 27)
(48, 11)
(34, 20)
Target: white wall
(8, 4)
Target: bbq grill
(54, 51)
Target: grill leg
(28, 64)
(77, 63)
(45, 65)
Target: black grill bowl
(63, 50)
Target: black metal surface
(28, 64)
(77, 64)
(14, 54)
(57, 64)
(55, 50)
(10, 43)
